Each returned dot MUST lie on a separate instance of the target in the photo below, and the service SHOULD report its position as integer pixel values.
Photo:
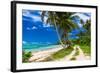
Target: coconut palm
(52, 19)
(63, 22)
(66, 25)
(87, 26)
(85, 37)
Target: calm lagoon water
(38, 47)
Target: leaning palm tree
(66, 25)
(52, 19)
(63, 22)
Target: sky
(37, 32)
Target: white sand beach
(40, 55)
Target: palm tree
(63, 22)
(52, 19)
(87, 26)
(85, 37)
(67, 24)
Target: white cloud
(34, 27)
(24, 42)
(28, 28)
(34, 17)
(46, 25)
(31, 28)
(45, 19)
(40, 12)
(26, 13)
(83, 17)
(80, 25)
(48, 29)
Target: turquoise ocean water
(38, 47)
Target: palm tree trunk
(58, 34)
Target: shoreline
(39, 49)
(42, 54)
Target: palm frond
(43, 15)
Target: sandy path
(81, 55)
(68, 57)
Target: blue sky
(35, 31)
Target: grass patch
(86, 49)
(73, 58)
(26, 56)
(62, 53)
(47, 59)
(77, 52)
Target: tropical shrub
(26, 56)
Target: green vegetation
(26, 56)
(84, 45)
(77, 52)
(47, 59)
(73, 58)
(62, 53)
(84, 40)
(86, 49)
